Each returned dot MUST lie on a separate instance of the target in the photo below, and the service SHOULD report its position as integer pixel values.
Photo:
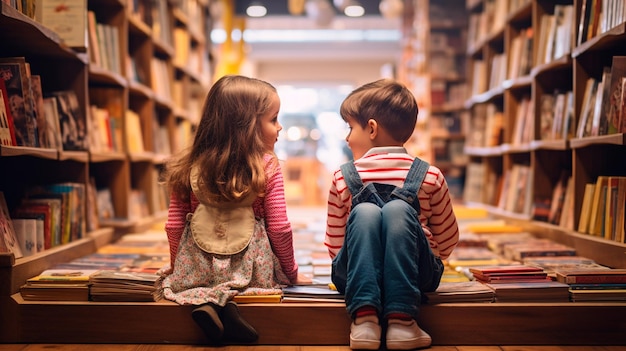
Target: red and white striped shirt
(390, 165)
(272, 208)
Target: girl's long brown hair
(227, 146)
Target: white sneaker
(406, 335)
(365, 335)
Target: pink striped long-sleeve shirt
(390, 165)
(272, 208)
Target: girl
(227, 224)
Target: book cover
(316, 291)
(63, 276)
(596, 217)
(38, 211)
(614, 108)
(539, 291)
(54, 205)
(595, 276)
(68, 18)
(26, 233)
(585, 211)
(38, 110)
(52, 128)
(55, 292)
(71, 120)
(271, 298)
(7, 129)
(470, 291)
(8, 238)
(14, 72)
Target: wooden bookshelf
(123, 78)
(528, 98)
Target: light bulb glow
(354, 11)
(256, 11)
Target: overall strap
(413, 181)
(351, 177)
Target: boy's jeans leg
(409, 264)
(358, 266)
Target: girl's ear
(373, 128)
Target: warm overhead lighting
(391, 8)
(354, 11)
(256, 10)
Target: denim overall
(386, 260)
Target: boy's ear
(373, 128)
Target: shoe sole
(236, 328)
(409, 344)
(209, 321)
(364, 344)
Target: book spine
(595, 279)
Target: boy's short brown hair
(386, 101)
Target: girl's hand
(303, 279)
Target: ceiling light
(391, 8)
(256, 10)
(354, 11)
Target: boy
(387, 246)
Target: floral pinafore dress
(200, 277)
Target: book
(312, 291)
(68, 18)
(125, 286)
(604, 295)
(38, 211)
(583, 129)
(8, 237)
(62, 276)
(15, 73)
(536, 291)
(270, 298)
(71, 120)
(53, 127)
(585, 211)
(614, 110)
(55, 292)
(470, 291)
(551, 264)
(94, 45)
(26, 233)
(510, 277)
(620, 213)
(38, 111)
(586, 276)
(7, 129)
(51, 207)
(596, 217)
(612, 204)
(508, 269)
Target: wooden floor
(115, 347)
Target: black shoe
(237, 329)
(207, 318)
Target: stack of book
(594, 284)
(469, 291)
(58, 285)
(550, 264)
(528, 291)
(521, 283)
(311, 293)
(125, 286)
(508, 274)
